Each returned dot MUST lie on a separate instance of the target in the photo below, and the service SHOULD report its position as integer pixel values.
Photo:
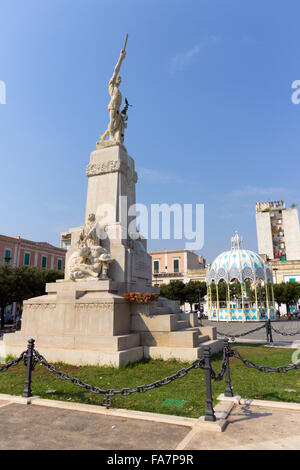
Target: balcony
(167, 274)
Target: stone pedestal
(81, 322)
(88, 321)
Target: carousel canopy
(239, 264)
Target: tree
(291, 294)
(221, 291)
(194, 291)
(287, 293)
(175, 290)
(278, 290)
(31, 282)
(22, 283)
(7, 283)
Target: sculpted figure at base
(116, 127)
(91, 260)
(88, 235)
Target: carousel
(240, 286)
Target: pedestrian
(200, 316)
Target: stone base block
(210, 331)
(215, 345)
(81, 357)
(96, 343)
(179, 339)
(181, 354)
(235, 399)
(216, 426)
(144, 322)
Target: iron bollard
(269, 332)
(29, 355)
(228, 389)
(209, 411)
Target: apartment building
(278, 233)
(171, 265)
(18, 251)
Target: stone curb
(18, 398)
(222, 410)
(130, 414)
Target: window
(176, 265)
(44, 262)
(156, 266)
(59, 264)
(7, 256)
(27, 259)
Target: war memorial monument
(92, 316)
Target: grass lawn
(182, 397)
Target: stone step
(184, 353)
(144, 322)
(182, 324)
(160, 310)
(203, 338)
(171, 339)
(80, 342)
(215, 345)
(182, 316)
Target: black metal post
(209, 411)
(270, 331)
(267, 331)
(29, 356)
(228, 389)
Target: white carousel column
(228, 301)
(272, 293)
(256, 304)
(267, 300)
(218, 305)
(243, 304)
(209, 302)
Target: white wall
(291, 233)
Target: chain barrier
(32, 357)
(22, 357)
(266, 369)
(283, 333)
(233, 336)
(198, 364)
(219, 376)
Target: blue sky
(212, 120)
